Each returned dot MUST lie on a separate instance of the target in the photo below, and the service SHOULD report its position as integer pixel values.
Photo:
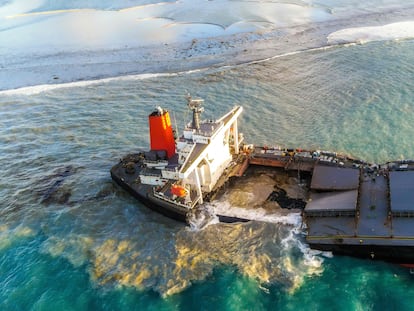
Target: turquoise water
(71, 240)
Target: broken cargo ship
(351, 207)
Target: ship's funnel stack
(161, 132)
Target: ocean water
(71, 240)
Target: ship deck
(296, 159)
(383, 213)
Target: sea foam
(37, 89)
(394, 31)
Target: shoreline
(62, 67)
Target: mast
(196, 106)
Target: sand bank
(171, 41)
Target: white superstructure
(203, 152)
(212, 145)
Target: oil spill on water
(53, 188)
(116, 254)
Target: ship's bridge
(204, 133)
(207, 148)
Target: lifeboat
(179, 191)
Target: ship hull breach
(349, 206)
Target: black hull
(389, 253)
(231, 219)
(164, 209)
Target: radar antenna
(196, 106)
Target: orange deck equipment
(161, 132)
(179, 191)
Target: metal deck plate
(332, 203)
(402, 191)
(334, 178)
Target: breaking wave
(202, 217)
(259, 214)
(37, 89)
(394, 31)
